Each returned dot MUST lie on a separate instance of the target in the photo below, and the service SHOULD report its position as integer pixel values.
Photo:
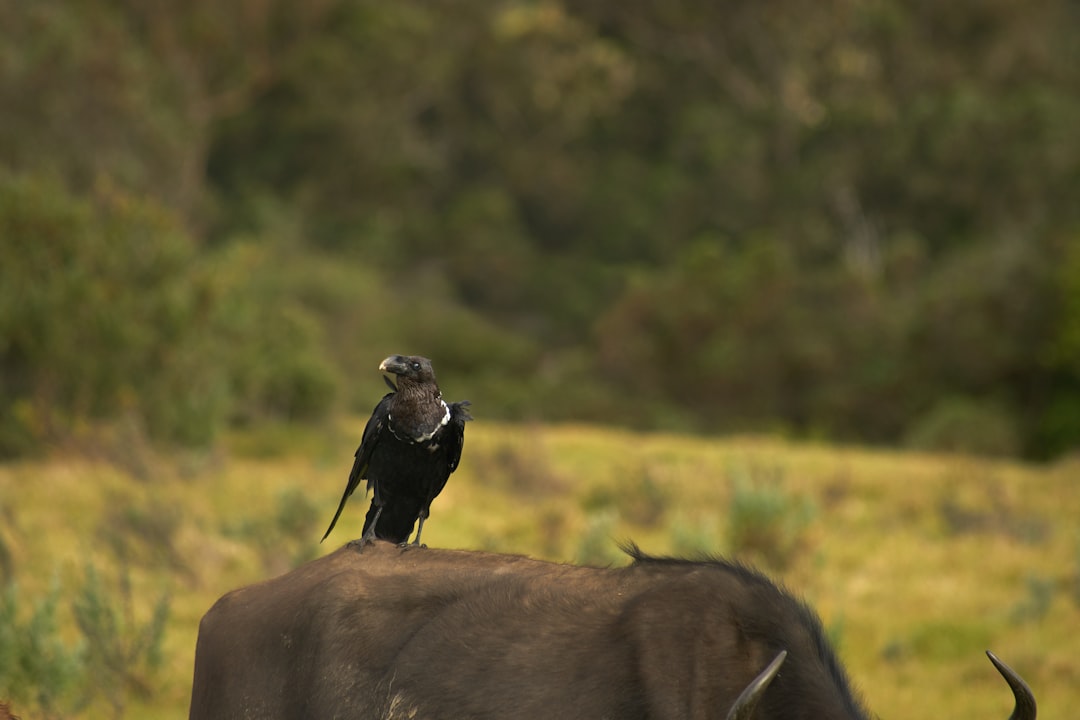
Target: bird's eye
(415, 365)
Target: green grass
(917, 563)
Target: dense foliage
(852, 219)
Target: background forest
(849, 222)
(852, 220)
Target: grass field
(916, 563)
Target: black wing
(453, 439)
(376, 426)
(455, 433)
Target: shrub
(123, 654)
(101, 312)
(142, 533)
(967, 426)
(286, 538)
(36, 666)
(1036, 601)
(521, 467)
(596, 546)
(765, 522)
(270, 347)
(695, 539)
(109, 310)
(636, 497)
(118, 654)
(641, 499)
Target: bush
(636, 497)
(1036, 601)
(109, 312)
(642, 500)
(270, 345)
(967, 426)
(123, 654)
(765, 522)
(285, 539)
(142, 533)
(36, 666)
(102, 312)
(695, 539)
(117, 656)
(596, 546)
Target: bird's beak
(392, 366)
(395, 364)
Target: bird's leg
(369, 536)
(416, 540)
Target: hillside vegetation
(851, 221)
(917, 563)
(836, 224)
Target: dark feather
(410, 446)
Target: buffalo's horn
(748, 699)
(1025, 699)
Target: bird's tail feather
(340, 507)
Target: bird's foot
(366, 539)
(357, 545)
(411, 545)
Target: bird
(410, 446)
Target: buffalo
(440, 634)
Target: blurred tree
(99, 315)
(821, 207)
(1055, 422)
(80, 101)
(748, 340)
(107, 309)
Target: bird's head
(407, 369)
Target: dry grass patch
(917, 563)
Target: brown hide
(428, 633)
